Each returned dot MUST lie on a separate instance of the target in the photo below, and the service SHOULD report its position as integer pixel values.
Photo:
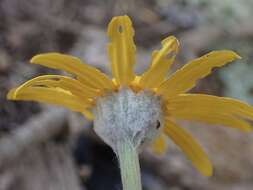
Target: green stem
(129, 166)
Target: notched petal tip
(170, 47)
(170, 38)
(161, 62)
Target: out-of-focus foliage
(238, 77)
(224, 12)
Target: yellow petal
(88, 115)
(159, 145)
(87, 75)
(190, 147)
(212, 110)
(206, 102)
(51, 96)
(135, 84)
(122, 49)
(185, 78)
(63, 82)
(214, 118)
(161, 62)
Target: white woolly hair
(127, 116)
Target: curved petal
(86, 74)
(122, 49)
(51, 96)
(212, 110)
(161, 62)
(214, 118)
(159, 145)
(185, 78)
(189, 146)
(227, 105)
(63, 82)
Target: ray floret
(130, 109)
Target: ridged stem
(129, 166)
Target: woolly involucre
(127, 116)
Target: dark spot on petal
(120, 29)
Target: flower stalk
(129, 166)
(125, 120)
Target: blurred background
(46, 147)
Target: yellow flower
(80, 92)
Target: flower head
(150, 102)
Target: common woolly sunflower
(136, 109)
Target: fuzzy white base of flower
(124, 120)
